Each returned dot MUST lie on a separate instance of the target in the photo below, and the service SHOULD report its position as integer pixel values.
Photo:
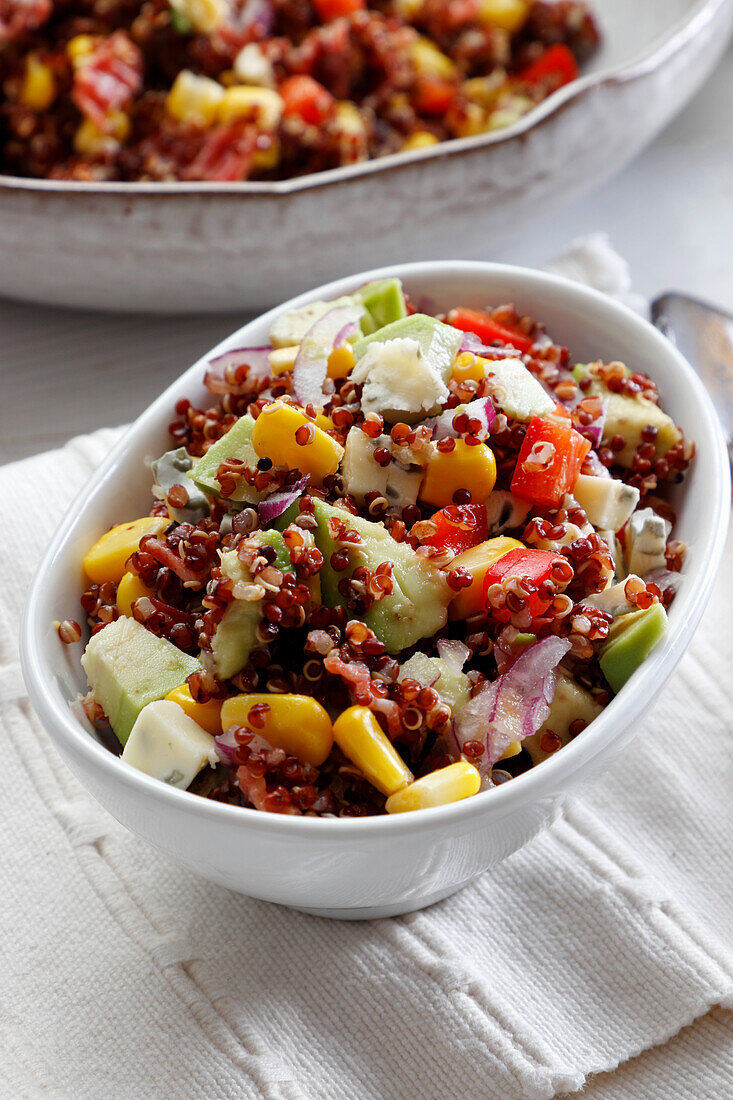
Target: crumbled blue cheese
(613, 599)
(505, 511)
(398, 483)
(398, 381)
(171, 469)
(516, 391)
(646, 541)
(606, 501)
(168, 745)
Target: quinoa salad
(230, 90)
(393, 558)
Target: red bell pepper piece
(305, 97)
(433, 96)
(555, 67)
(487, 330)
(549, 462)
(459, 527)
(335, 9)
(535, 566)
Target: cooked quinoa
(267, 89)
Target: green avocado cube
(631, 643)
(128, 667)
(384, 302)
(236, 443)
(439, 343)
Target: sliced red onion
(481, 409)
(515, 705)
(663, 578)
(257, 14)
(273, 506)
(311, 362)
(454, 653)
(472, 343)
(220, 378)
(225, 745)
(594, 430)
(597, 469)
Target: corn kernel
(465, 467)
(252, 66)
(408, 9)
(38, 89)
(421, 139)
(295, 723)
(472, 121)
(266, 159)
(478, 560)
(90, 141)
(194, 99)
(509, 113)
(105, 561)
(129, 589)
(206, 715)
(263, 105)
(275, 437)
(512, 749)
(429, 61)
(466, 366)
(485, 90)
(508, 15)
(341, 362)
(451, 784)
(282, 359)
(79, 48)
(203, 15)
(360, 737)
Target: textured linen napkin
(123, 976)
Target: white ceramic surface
(183, 247)
(376, 866)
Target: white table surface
(670, 214)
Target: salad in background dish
(394, 560)
(233, 90)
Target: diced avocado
(235, 637)
(384, 301)
(519, 395)
(439, 343)
(273, 538)
(570, 703)
(236, 443)
(628, 416)
(631, 644)
(128, 667)
(452, 686)
(417, 606)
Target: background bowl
(185, 247)
(384, 865)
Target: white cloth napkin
(123, 976)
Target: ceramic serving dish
(382, 865)
(195, 246)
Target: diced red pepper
(226, 153)
(487, 330)
(335, 9)
(433, 96)
(305, 97)
(549, 462)
(535, 566)
(108, 78)
(555, 67)
(459, 527)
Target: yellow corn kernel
(485, 90)
(274, 437)
(194, 99)
(265, 159)
(38, 90)
(129, 589)
(263, 105)
(341, 362)
(207, 715)
(512, 749)
(408, 9)
(90, 141)
(478, 560)
(282, 359)
(295, 723)
(508, 15)
(79, 48)
(451, 784)
(421, 139)
(347, 120)
(203, 15)
(472, 121)
(465, 467)
(105, 561)
(467, 366)
(429, 61)
(360, 737)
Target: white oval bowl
(375, 866)
(183, 247)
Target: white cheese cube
(253, 67)
(646, 541)
(607, 502)
(360, 472)
(168, 745)
(398, 381)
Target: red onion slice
(454, 653)
(226, 373)
(515, 705)
(471, 342)
(311, 363)
(273, 506)
(481, 409)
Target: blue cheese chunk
(398, 381)
(646, 542)
(607, 502)
(168, 745)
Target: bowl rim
(531, 785)
(657, 54)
